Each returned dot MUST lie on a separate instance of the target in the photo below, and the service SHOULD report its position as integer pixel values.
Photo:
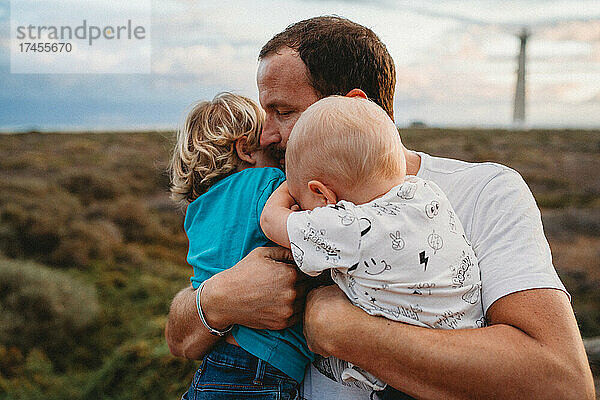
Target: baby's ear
(325, 194)
(357, 93)
(242, 150)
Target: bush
(35, 220)
(93, 185)
(157, 375)
(42, 308)
(86, 241)
(135, 220)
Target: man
(531, 347)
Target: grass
(90, 213)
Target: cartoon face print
(435, 241)
(432, 209)
(376, 268)
(397, 241)
(473, 294)
(298, 254)
(347, 219)
(407, 190)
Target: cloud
(579, 31)
(450, 67)
(222, 65)
(595, 99)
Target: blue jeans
(231, 373)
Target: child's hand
(273, 220)
(281, 198)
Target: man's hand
(264, 290)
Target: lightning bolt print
(423, 260)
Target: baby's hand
(281, 198)
(273, 220)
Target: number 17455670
(45, 47)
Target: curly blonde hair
(205, 150)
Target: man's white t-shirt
(503, 223)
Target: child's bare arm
(273, 220)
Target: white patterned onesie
(403, 256)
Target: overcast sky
(455, 63)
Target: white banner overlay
(80, 36)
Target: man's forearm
(237, 296)
(185, 334)
(499, 361)
(433, 364)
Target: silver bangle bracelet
(201, 315)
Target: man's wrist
(214, 315)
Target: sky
(455, 62)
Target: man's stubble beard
(277, 153)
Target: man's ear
(357, 93)
(242, 150)
(326, 195)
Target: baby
(215, 172)
(392, 242)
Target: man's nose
(270, 133)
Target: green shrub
(43, 308)
(140, 370)
(135, 220)
(93, 185)
(35, 223)
(86, 241)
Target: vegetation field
(92, 250)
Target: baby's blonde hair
(205, 150)
(349, 140)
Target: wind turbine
(519, 109)
(507, 27)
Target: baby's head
(219, 137)
(343, 148)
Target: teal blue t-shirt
(223, 226)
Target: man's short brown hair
(340, 55)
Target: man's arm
(264, 291)
(532, 348)
(185, 334)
